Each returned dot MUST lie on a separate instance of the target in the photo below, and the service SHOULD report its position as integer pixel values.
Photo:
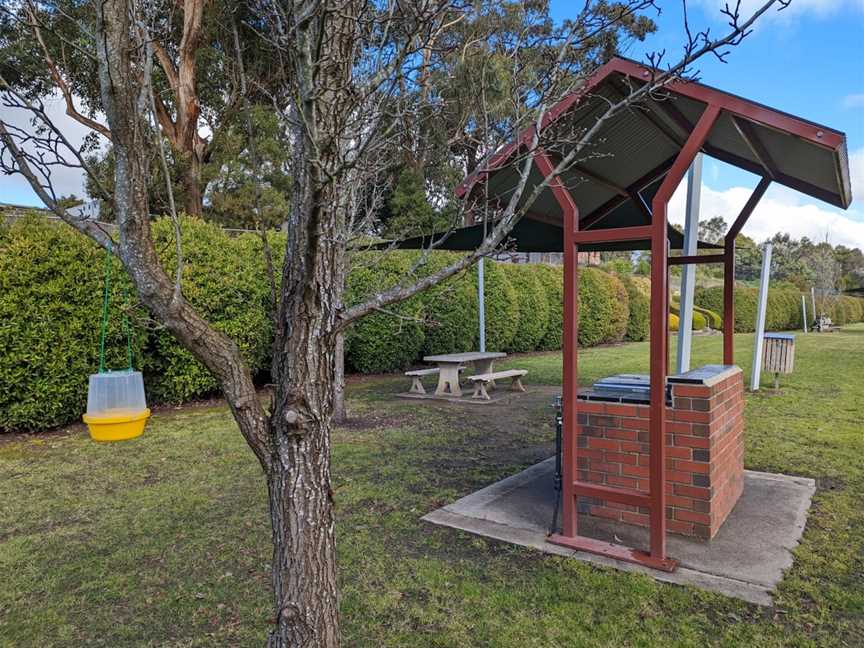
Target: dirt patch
(42, 439)
(373, 420)
(830, 483)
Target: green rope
(104, 330)
(126, 327)
(104, 327)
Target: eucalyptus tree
(46, 51)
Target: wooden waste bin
(778, 354)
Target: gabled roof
(638, 145)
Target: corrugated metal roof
(637, 142)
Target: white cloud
(780, 210)
(854, 100)
(14, 188)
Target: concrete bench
(417, 374)
(481, 381)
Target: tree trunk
(339, 411)
(304, 371)
(304, 544)
(301, 504)
(193, 194)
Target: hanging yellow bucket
(116, 407)
(119, 426)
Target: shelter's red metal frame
(576, 233)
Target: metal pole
(813, 302)
(688, 271)
(481, 296)
(804, 312)
(760, 318)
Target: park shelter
(619, 200)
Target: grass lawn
(164, 541)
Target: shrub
(846, 310)
(699, 321)
(382, 341)
(639, 315)
(620, 313)
(51, 290)
(782, 312)
(745, 305)
(533, 306)
(225, 279)
(673, 322)
(595, 307)
(856, 308)
(51, 287)
(712, 319)
(451, 311)
(502, 307)
(552, 278)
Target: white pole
(481, 296)
(760, 317)
(813, 302)
(688, 272)
(804, 312)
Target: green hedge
(502, 306)
(383, 341)
(533, 307)
(845, 309)
(50, 309)
(712, 319)
(699, 322)
(783, 311)
(639, 310)
(451, 311)
(595, 307)
(51, 292)
(617, 325)
(552, 278)
(224, 278)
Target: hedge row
(51, 281)
(51, 287)
(524, 312)
(783, 311)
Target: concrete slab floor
(745, 560)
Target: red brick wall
(704, 455)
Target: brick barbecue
(704, 446)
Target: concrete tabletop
(470, 356)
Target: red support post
(659, 323)
(571, 382)
(729, 269)
(570, 387)
(729, 303)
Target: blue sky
(807, 60)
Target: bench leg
(417, 386)
(485, 367)
(480, 391)
(516, 385)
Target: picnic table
(448, 368)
